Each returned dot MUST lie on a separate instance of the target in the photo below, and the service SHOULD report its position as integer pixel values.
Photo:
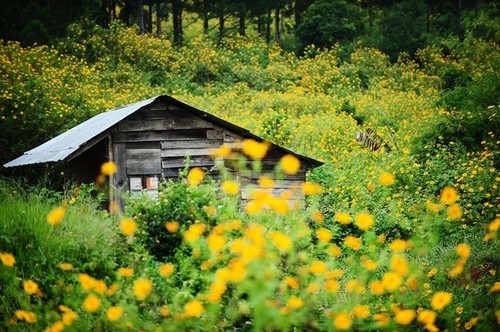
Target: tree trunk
(140, 16)
(241, 23)
(149, 25)
(268, 27)
(221, 27)
(158, 18)
(458, 20)
(205, 17)
(277, 29)
(177, 21)
(296, 13)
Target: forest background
(308, 75)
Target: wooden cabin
(149, 141)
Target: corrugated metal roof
(61, 147)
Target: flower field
(401, 238)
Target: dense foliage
(404, 237)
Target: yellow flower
(216, 242)
(100, 286)
(230, 187)
(165, 311)
(342, 321)
(142, 288)
(433, 207)
(86, 281)
(281, 241)
(216, 291)
(255, 150)
(332, 286)
(109, 168)
(27, 316)
(65, 266)
(56, 215)
(172, 226)
(194, 232)
(7, 259)
(290, 164)
(495, 288)
(463, 250)
(368, 264)
(69, 317)
(454, 211)
(195, 176)
(294, 302)
(426, 317)
(291, 282)
(354, 286)
(114, 313)
(334, 251)
(432, 272)
(382, 319)
(386, 179)
(324, 235)
(166, 270)
(112, 289)
(391, 281)
(405, 316)
(91, 303)
(125, 272)
(266, 182)
(311, 188)
(399, 245)
(364, 221)
(361, 311)
(399, 265)
(128, 226)
(449, 195)
(221, 152)
(342, 217)
(376, 287)
(30, 287)
(440, 300)
(313, 288)
(193, 308)
(352, 242)
(318, 267)
(318, 217)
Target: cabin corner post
(118, 181)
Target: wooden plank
(164, 124)
(157, 136)
(143, 161)
(200, 161)
(184, 152)
(190, 144)
(215, 134)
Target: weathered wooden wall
(155, 141)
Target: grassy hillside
(399, 238)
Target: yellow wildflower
(91, 303)
(463, 250)
(86, 281)
(230, 187)
(495, 288)
(255, 150)
(426, 317)
(166, 270)
(318, 267)
(128, 226)
(56, 216)
(318, 217)
(332, 286)
(449, 195)
(382, 319)
(165, 311)
(27, 316)
(30, 287)
(7, 259)
(172, 226)
(377, 287)
(352, 242)
(221, 152)
(108, 168)
(311, 188)
(65, 266)
(399, 245)
(361, 311)
(342, 217)
(391, 281)
(399, 265)
(324, 235)
(294, 302)
(364, 221)
(405, 316)
(454, 212)
(440, 300)
(333, 251)
(266, 182)
(194, 232)
(290, 164)
(142, 288)
(193, 308)
(342, 321)
(281, 241)
(291, 282)
(386, 179)
(125, 272)
(114, 313)
(195, 176)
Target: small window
(148, 184)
